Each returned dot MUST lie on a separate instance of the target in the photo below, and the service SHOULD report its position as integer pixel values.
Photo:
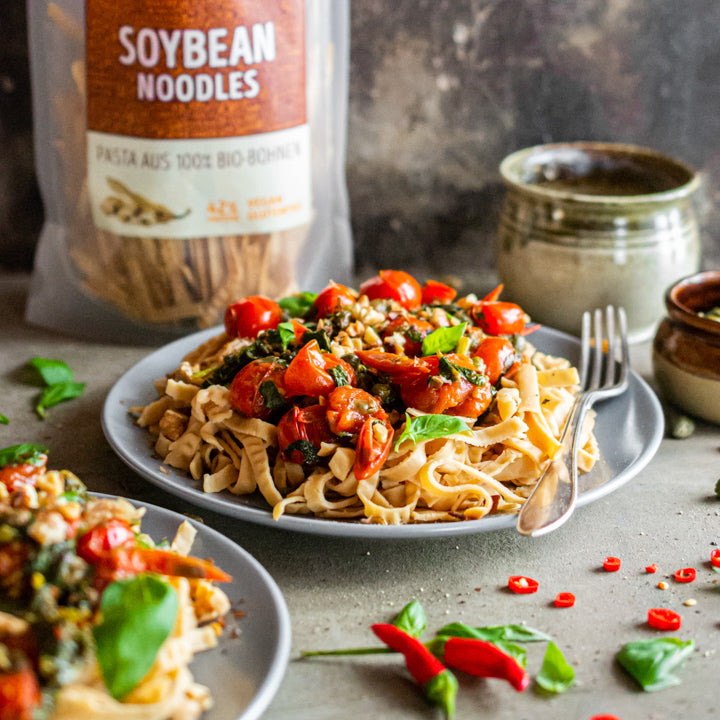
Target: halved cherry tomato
(499, 318)
(15, 476)
(498, 354)
(685, 575)
(611, 564)
(349, 407)
(306, 423)
(332, 298)
(251, 315)
(715, 558)
(246, 390)
(102, 538)
(437, 292)
(412, 329)
(394, 285)
(19, 694)
(373, 447)
(123, 562)
(564, 600)
(664, 619)
(522, 585)
(307, 373)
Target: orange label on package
(163, 69)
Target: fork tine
(585, 349)
(624, 349)
(598, 351)
(610, 364)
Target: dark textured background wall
(442, 90)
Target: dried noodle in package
(189, 152)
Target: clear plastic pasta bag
(189, 153)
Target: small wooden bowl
(686, 349)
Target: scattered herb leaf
(556, 674)
(4, 419)
(443, 339)
(411, 619)
(57, 393)
(51, 371)
(29, 453)
(297, 305)
(429, 427)
(651, 662)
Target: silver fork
(602, 375)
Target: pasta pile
(490, 464)
(54, 582)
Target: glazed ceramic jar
(686, 349)
(584, 225)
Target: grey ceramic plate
(629, 429)
(245, 670)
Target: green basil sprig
(443, 339)
(137, 616)
(4, 419)
(29, 453)
(297, 305)
(651, 662)
(59, 382)
(412, 619)
(430, 427)
(556, 674)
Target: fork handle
(553, 499)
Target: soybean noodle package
(189, 153)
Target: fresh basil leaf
(297, 305)
(651, 662)
(29, 453)
(556, 674)
(271, 395)
(52, 371)
(429, 427)
(287, 333)
(443, 339)
(137, 617)
(339, 375)
(496, 633)
(57, 393)
(411, 619)
(4, 419)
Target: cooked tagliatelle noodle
(62, 551)
(233, 434)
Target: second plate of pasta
(622, 453)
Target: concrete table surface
(336, 588)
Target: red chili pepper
(481, 658)
(685, 575)
(651, 568)
(522, 585)
(715, 558)
(564, 600)
(663, 619)
(605, 716)
(611, 564)
(437, 682)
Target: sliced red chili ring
(664, 619)
(605, 716)
(522, 585)
(685, 575)
(611, 564)
(564, 600)
(715, 558)
(651, 568)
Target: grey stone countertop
(336, 588)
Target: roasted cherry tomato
(15, 476)
(394, 285)
(249, 393)
(307, 424)
(373, 447)
(19, 694)
(394, 365)
(333, 298)
(349, 407)
(412, 330)
(499, 318)
(309, 372)
(102, 538)
(498, 354)
(522, 585)
(664, 619)
(437, 292)
(251, 315)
